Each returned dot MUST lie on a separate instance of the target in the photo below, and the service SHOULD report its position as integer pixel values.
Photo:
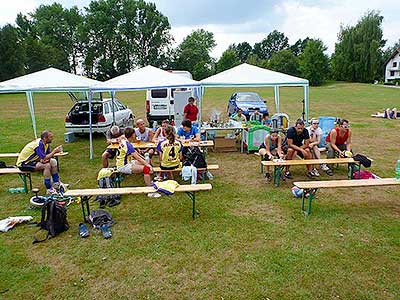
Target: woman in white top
(315, 133)
(160, 133)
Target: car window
(119, 104)
(178, 89)
(159, 93)
(248, 98)
(84, 107)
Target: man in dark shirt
(114, 135)
(298, 141)
(190, 111)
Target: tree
(274, 42)
(298, 47)
(358, 53)
(228, 60)
(12, 53)
(243, 50)
(284, 61)
(193, 54)
(313, 63)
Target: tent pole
(112, 104)
(276, 94)
(29, 99)
(306, 94)
(90, 125)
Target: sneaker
(324, 167)
(113, 202)
(158, 178)
(288, 175)
(60, 187)
(316, 173)
(209, 175)
(268, 177)
(310, 174)
(329, 172)
(83, 230)
(105, 230)
(154, 195)
(51, 191)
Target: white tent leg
(276, 94)
(306, 92)
(29, 99)
(90, 125)
(113, 105)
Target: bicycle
(39, 201)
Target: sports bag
(365, 161)
(54, 220)
(193, 156)
(100, 217)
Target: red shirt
(339, 140)
(191, 112)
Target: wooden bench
(24, 175)
(202, 171)
(15, 155)
(86, 194)
(280, 165)
(311, 187)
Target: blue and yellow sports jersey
(33, 152)
(125, 151)
(169, 153)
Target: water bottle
(147, 158)
(397, 170)
(155, 125)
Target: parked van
(167, 103)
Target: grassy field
(250, 242)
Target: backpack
(365, 161)
(193, 156)
(100, 217)
(106, 183)
(54, 220)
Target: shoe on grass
(113, 202)
(51, 191)
(288, 175)
(329, 172)
(316, 173)
(268, 177)
(83, 230)
(310, 174)
(105, 230)
(154, 195)
(324, 167)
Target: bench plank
(346, 183)
(297, 162)
(209, 167)
(12, 171)
(134, 190)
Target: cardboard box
(224, 144)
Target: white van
(167, 103)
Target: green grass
(250, 242)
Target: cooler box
(69, 137)
(224, 144)
(254, 136)
(326, 124)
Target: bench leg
(192, 196)
(58, 164)
(261, 167)
(310, 197)
(85, 202)
(351, 168)
(277, 175)
(24, 178)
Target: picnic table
(144, 145)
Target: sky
(236, 21)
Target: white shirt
(313, 134)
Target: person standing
(37, 156)
(190, 111)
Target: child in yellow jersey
(170, 151)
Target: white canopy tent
(48, 80)
(246, 75)
(145, 78)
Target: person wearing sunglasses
(338, 141)
(315, 133)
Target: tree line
(112, 37)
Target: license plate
(159, 106)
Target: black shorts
(112, 152)
(169, 168)
(28, 166)
(262, 146)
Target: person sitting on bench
(129, 161)
(170, 151)
(37, 156)
(315, 133)
(338, 141)
(271, 147)
(143, 134)
(160, 134)
(391, 113)
(239, 116)
(113, 135)
(188, 131)
(298, 142)
(266, 121)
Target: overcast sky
(236, 21)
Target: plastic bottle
(397, 170)
(147, 158)
(155, 125)
(16, 190)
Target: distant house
(392, 67)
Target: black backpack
(193, 156)
(106, 183)
(54, 220)
(365, 161)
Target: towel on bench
(166, 187)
